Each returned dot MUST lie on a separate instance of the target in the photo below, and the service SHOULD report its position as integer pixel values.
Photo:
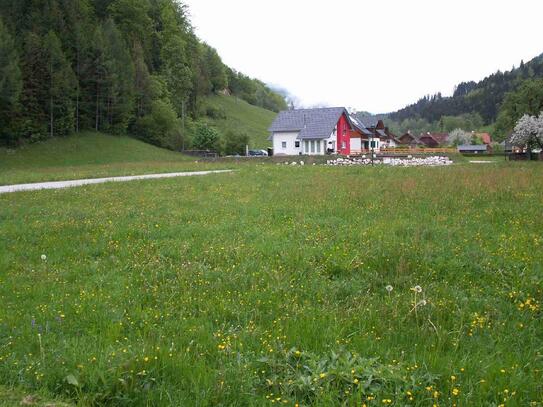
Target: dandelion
(389, 288)
(417, 289)
(43, 257)
(455, 391)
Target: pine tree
(32, 123)
(119, 96)
(10, 82)
(62, 85)
(174, 61)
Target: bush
(235, 143)
(215, 113)
(207, 138)
(160, 127)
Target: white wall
(377, 141)
(290, 139)
(356, 144)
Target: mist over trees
(118, 66)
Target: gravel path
(76, 183)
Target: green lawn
(242, 117)
(267, 286)
(88, 155)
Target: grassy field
(240, 116)
(268, 286)
(88, 155)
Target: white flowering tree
(528, 132)
(458, 137)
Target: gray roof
(466, 147)
(360, 126)
(311, 123)
(369, 121)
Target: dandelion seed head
(43, 257)
(389, 288)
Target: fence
(407, 151)
(525, 156)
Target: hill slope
(236, 115)
(484, 97)
(88, 155)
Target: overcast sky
(375, 55)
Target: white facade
(287, 143)
(356, 145)
(374, 143)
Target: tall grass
(268, 287)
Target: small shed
(474, 149)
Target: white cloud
(375, 55)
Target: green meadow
(89, 155)
(275, 285)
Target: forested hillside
(118, 66)
(477, 103)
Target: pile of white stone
(410, 161)
(293, 163)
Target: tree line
(501, 99)
(118, 66)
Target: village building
(428, 140)
(485, 138)
(312, 132)
(328, 131)
(408, 140)
(361, 136)
(474, 149)
(441, 138)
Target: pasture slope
(89, 155)
(268, 286)
(236, 115)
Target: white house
(311, 132)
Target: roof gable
(311, 123)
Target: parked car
(258, 153)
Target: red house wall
(343, 136)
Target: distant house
(361, 136)
(441, 138)
(390, 140)
(474, 149)
(428, 140)
(312, 132)
(485, 138)
(408, 139)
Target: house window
(297, 144)
(312, 146)
(373, 144)
(318, 146)
(283, 144)
(306, 146)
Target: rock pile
(433, 161)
